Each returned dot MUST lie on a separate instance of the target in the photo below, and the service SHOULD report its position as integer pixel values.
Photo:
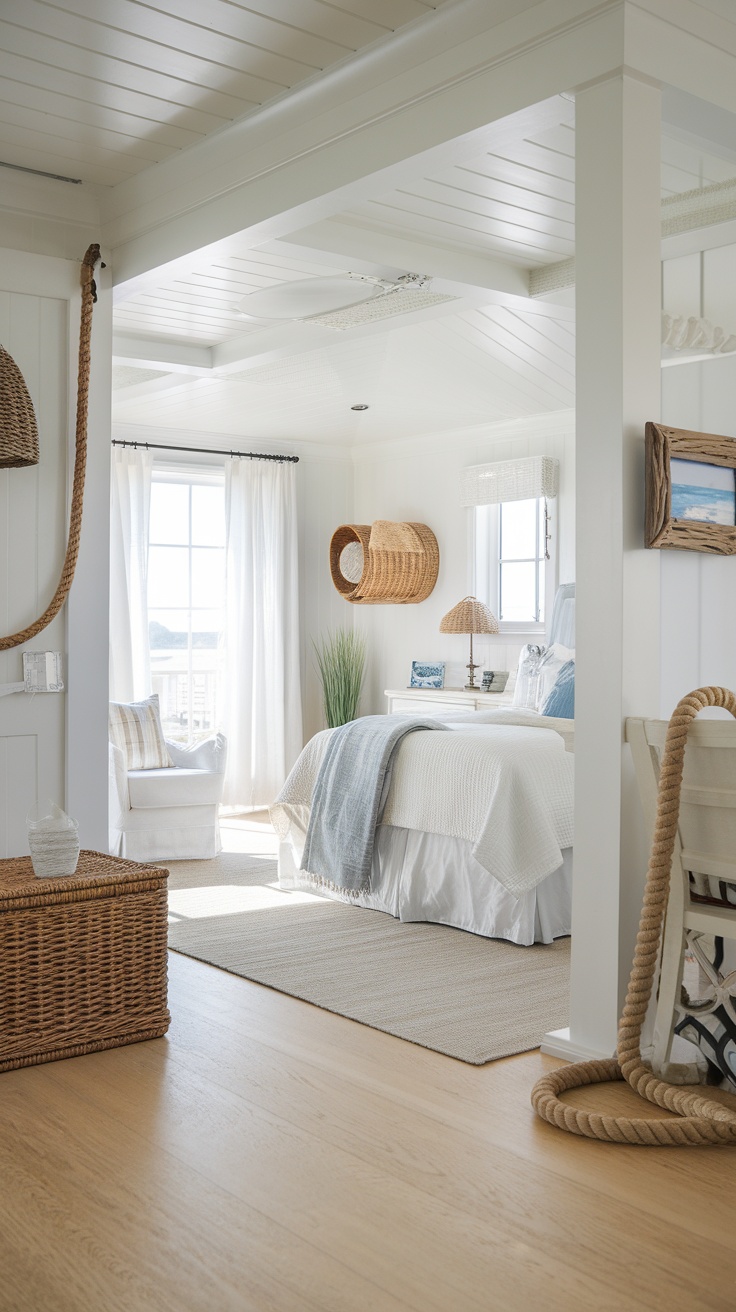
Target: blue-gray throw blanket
(349, 796)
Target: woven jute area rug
(472, 998)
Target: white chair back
(702, 897)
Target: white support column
(618, 390)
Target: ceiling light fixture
(310, 296)
(341, 302)
(359, 407)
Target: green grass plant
(341, 663)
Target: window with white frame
(514, 563)
(186, 597)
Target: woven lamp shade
(18, 430)
(469, 616)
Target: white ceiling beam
(151, 387)
(695, 221)
(454, 272)
(336, 141)
(158, 353)
(480, 279)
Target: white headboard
(562, 624)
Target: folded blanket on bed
(349, 795)
(508, 790)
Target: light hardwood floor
(267, 1156)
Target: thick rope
(89, 296)
(703, 1121)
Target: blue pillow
(561, 699)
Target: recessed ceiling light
(359, 407)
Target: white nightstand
(411, 701)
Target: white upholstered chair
(168, 813)
(702, 895)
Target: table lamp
(469, 616)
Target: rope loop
(701, 1120)
(89, 297)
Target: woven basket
(82, 958)
(400, 563)
(18, 429)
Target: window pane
(208, 516)
(518, 592)
(519, 530)
(168, 576)
(169, 513)
(542, 571)
(208, 571)
(168, 633)
(206, 630)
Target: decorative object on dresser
(494, 681)
(427, 675)
(384, 563)
(82, 958)
(690, 490)
(341, 664)
(469, 616)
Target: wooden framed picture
(690, 490)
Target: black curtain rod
(208, 451)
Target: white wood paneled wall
(34, 329)
(419, 481)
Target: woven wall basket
(384, 563)
(18, 430)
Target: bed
(476, 829)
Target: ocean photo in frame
(690, 490)
(702, 492)
(425, 674)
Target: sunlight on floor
(232, 899)
(249, 832)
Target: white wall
(698, 590)
(419, 481)
(53, 746)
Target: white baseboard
(557, 1043)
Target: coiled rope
(89, 297)
(703, 1121)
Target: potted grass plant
(341, 664)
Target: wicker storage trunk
(82, 958)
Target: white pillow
(525, 697)
(549, 667)
(136, 728)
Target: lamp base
(471, 685)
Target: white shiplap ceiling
(98, 90)
(104, 89)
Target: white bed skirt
(420, 876)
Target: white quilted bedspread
(507, 790)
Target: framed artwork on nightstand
(426, 675)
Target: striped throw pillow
(136, 728)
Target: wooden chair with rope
(702, 894)
(699, 1119)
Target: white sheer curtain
(263, 712)
(130, 670)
